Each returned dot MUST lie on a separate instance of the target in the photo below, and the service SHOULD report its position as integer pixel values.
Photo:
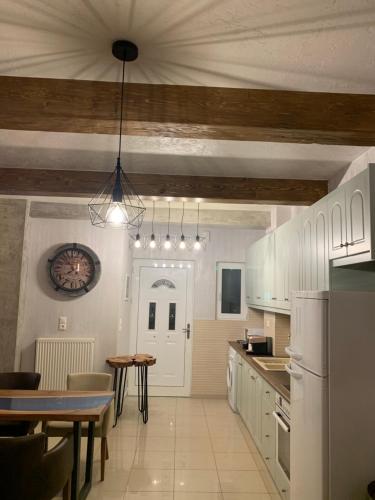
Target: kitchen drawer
(268, 394)
(282, 483)
(268, 423)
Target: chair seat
(60, 429)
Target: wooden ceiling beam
(187, 111)
(33, 182)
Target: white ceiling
(325, 45)
(321, 45)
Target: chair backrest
(19, 381)
(89, 382)
(28, 472)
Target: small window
(172, 316)
(151, 315)
(230, 291)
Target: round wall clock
(74, 269)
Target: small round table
(121, 363)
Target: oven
(282, 417)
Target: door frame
(138, 264)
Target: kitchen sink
(272, 364)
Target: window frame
(220, 266)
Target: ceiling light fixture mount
(117, 204)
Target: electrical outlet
(268, 324)
(62, 323)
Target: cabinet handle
(267, 458)
(267, 413)
(252, 377)
(258, 297)
(283, 491)
(344, 244)
(286, 299)
(351, 243)
(267, 436)
(267, 392)
(274, 298)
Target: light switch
(268, 324)
(63, 323)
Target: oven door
(282, 442)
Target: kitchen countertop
(276, 379)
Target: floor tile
(150, 480)
(196, 481)
(165, 429)
(145, 459)
(193, 444)
(242, 482)
(99, 494)
(235, 461)
(268, 481)
(188, 495)
(194, 460)
(247, 496)
(191, 430)
(229, 445)
(115, 482)
(149, 495)
(151, 443)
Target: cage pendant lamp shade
(117, 205)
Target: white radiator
(56, 357)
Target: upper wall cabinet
(296, 255)
(349, 222)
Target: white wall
(225, 245)
(357, 166)
(100, 314)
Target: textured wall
(99, 314)
(277, 326)
(210, 352)
(12, 224)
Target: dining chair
(28, 472)
(25, 381)
(88, 382)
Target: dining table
(68, 406)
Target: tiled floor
(191, 449)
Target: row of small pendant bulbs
(167, 243)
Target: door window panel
(151, 315)
(172, 316)
(231, 291)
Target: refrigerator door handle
(285, 427)
(293, 373)
(293, 354)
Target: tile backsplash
(277, 326)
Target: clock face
(74, 269)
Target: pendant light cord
(198, 222)
(121, 107)
(182, 218)
(169, 214)
(153, 216)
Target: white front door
(163, 326)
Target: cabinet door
(268, 270)
(321, 260)
(295, 258)
(252, 403)
(245, 392)
(239, 386)
(259, 271)
(282, 266)
(249, 276)
(307, 249)
(337, 224)
(358, 214)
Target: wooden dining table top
(69, 406)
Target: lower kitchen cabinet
(255, 403)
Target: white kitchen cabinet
(308, 245)
(254, 410)
(294, 257)
(349, 223)
(268, 270)
(282, 263)
(320, 238)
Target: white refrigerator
(332, 369)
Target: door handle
(293, 373)
(293, 354)
(187, 330)
(285, 427)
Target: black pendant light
(117, 204)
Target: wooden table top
(131, 360)
(66, 406)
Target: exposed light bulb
(116, 216)
(197, 244)
(167, 243)
(137, 242)
(182, 242)
(152, 241)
